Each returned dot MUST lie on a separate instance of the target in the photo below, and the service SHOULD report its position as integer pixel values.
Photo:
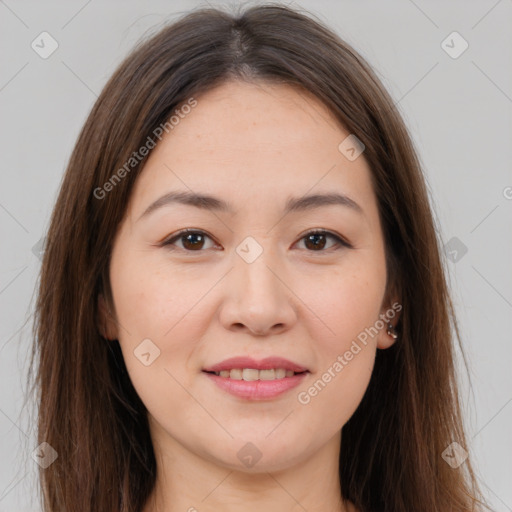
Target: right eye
(192, 239)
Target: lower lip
(257, 389)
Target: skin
(253, 145)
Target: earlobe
(386, 340)
(106, 324)
(389, 334)
(391, 331)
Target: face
(252, 279)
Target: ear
(389, 315)
(106, 321)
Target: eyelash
(170, 241)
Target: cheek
(348, 305)
(160, 321)
(156, 315)
(348, 301)
(151, 299)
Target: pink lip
(248, 362)
(257, 389)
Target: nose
(257, 298)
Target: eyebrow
(208, 202)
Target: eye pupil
(193, 245)
(316, 244)
(193, 241)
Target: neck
(188, 482)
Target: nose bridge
(256, 265)
(255, 296)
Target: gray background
(459, 114)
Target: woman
(242, 304)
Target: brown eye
(316, 241)
(195, 240)
(192, 240)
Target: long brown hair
(391, 452)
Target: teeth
(235, 374)
(267, 374)
(251, 374)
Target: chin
(259, 455)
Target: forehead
(257, 140)
(258, 115)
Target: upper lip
(248, 362)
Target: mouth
(253, 374)
(249, 379)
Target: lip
(257, 389)
(264, 364)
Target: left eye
(193, 240)
(317, 239)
